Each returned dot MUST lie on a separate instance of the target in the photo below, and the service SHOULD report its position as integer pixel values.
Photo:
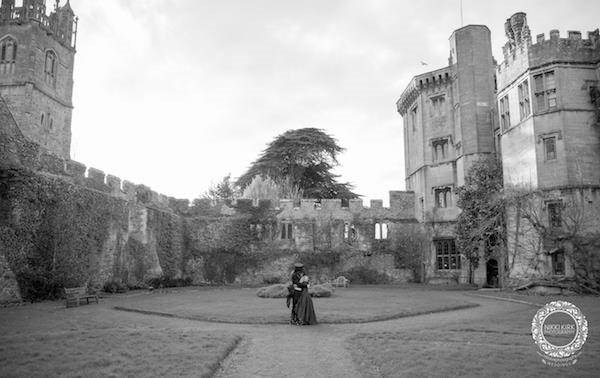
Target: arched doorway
(491, 269)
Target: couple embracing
(303, 311)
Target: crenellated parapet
(429, 82)
(61, 22)
(521, 53)
(401, 208)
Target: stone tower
(448, 125)
(37, 52)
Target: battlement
(401, 202)
(61, 22)
(522, 52)
(401, 207)
(429, 81)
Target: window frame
(8, 64)
(445, 199)
(50, 67)
(287, 231)
(524, 100)
(554, 209)
(381, 231)
(544, 92)
(558, 263)
(447, 256)
(504, 112)
(545, 141)
(444, 144)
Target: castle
(537, 111)
(114, 230)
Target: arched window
(8, 56)
(50, 67)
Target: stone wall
(64, 224)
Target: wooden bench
(341, 281)
(76, 295)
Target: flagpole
(462, 23)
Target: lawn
(357, 304)
(46, 339)
(133, 352)
(499, 347)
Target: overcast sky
(176, 94)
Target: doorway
(491, 268)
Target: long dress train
(306, 309)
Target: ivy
(54, 231)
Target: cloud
(177, 94)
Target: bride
(306, 310)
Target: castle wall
(91, 228)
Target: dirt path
(320, 351)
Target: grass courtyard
(355, 305)
(245, 337)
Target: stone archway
(491, 270)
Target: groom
(298, 273)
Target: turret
(66, 24)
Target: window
(524, 109)
(554, 214)
(558, 263)
(381, 231)
(50, 68)
(286, 231)
(550, 148)
(446, 254)
(440, 149)
(504, 113)
(443, 197)
(437, 106)
(545, 91)
(350, 234)
(413, 118)
(8, 56)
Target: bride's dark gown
(306, 310)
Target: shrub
(364, 275)
(114, 287)
(165, 281)
(273, 291)
(321, 291)
(270, 280)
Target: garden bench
(76, 295)
(341, 281)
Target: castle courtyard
(492, 337)
(266, 188)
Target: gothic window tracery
(50, 68)
(8, 56)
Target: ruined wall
(64, 224)
(530, 250)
